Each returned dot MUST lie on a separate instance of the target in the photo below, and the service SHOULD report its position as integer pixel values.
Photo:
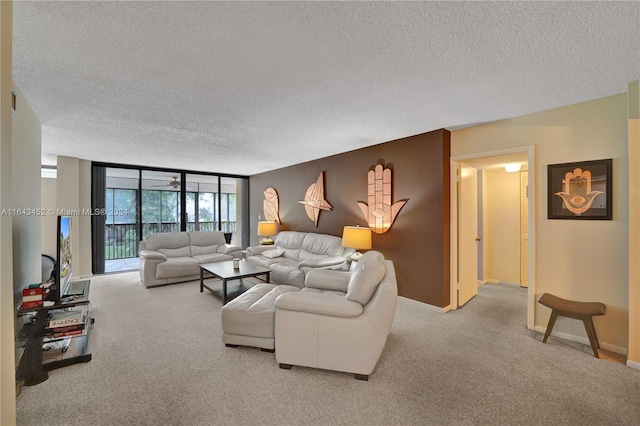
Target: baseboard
(428, 306)
(492, 281)
(584, 340)
(633, 364)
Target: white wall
(501, 220)
(575, 259)
(25, 175)
(7, 314)
(84, 226)
(73, 189)
(633, 358)
(49, 224)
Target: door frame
(531, 290)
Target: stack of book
(66, 323)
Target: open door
(467, 234)
(524, 228)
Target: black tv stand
(33, 368)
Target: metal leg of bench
(591, 332)
(552, 322)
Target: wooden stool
(584, 311)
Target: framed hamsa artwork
(580, 190)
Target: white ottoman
(248, 320)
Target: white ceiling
(247, 87)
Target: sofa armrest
(228, 249)
(256, 250)
(326, 279)
(322, 262)
(329, 304)
(152, 254)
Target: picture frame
(581, 190)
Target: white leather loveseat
(172, 257)
(294, 253)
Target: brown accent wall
(418, 241)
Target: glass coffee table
(226, 272)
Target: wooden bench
(584, 311)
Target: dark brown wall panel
(418, 242)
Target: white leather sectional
(338, 321)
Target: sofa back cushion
(290, 242)
(320, 245)
(205, 242)
(171, 244)
(368, 273)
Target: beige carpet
(158, 359)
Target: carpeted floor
(158, 359)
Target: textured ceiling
(244, 87)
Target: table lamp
(356, 238)
(266, 229)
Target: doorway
(465, 239)
(503, 224)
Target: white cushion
(326, 279)
(177, 267)
(320, 244)
(271, 254)
(369, 271)
(205, 242)
(290, 242)
(247, 315)
(171, 244)
(252, 313)
(322, 303)
(212, 258)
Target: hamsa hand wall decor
(380, 213)
(580, 190)
(271, 205)
(314, 200)
(577, 194)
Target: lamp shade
(356, 237)
(267, 228)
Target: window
(121, 236)
(140, 201)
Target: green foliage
(120, 205)
(160, 212)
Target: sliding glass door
(120, 235)
(139, 202)
(202, 202)
(160, 202)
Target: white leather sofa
(294, 253)
(173, 257)
(340, 320)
